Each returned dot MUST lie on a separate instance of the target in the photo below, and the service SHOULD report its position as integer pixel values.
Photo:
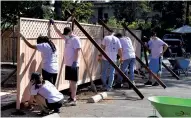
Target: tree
(13, 10)
(172, 13)
(82, 10)
(131, 11)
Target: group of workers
(43, 90)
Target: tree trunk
(187, 12)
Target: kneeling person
(45, 94)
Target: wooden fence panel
(30, 60)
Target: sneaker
(103, 89)
(133, 82)
(148, 83)
(43, 113)
(71, 102)
(155, 84)
(109, 89)
(56, 110)
(118, 85)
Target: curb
(52, 115)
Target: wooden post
(139, 60)
(109, 60)
(125, 27)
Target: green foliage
(83, 10)
(133, 25)
(172, 13)
(140, 25)
(13, 10)
(129, 10)
(112, 22)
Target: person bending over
(45, 94)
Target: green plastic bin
(171, 106)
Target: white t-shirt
(48, 91)
(112, 45)
(156, 47)
(70, 46)
(127, 47)
(49, 58)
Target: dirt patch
(10, 84)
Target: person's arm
(76, 54)
(103, 47)
(31, 100)
(56, 29)
(120, 53)
(77, 47)
(165, 47)
(28, 44)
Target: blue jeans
(107, 68)
(124, 67)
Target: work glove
(74, 65)
(51, 21)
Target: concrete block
(52, 115)
(98, 97)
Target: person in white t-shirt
(45, 95)
(128, 57)
(71, 60)
(112, 46)
(157, 48)
(49, 57)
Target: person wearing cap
(71, 60)
(157, 48)
(112, 46)
(45, 94)
(49, 57)
(128, 57)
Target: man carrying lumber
(112, 46)
(157, 48)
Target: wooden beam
(109, 60)
(126, 28)
(139, 60)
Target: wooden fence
(29, 60)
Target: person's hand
(51, 21)
(121, 60)
(161, 54)
(74, 65)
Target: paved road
(125, 103)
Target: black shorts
(51, 77)
(71, 74)
(55, 105)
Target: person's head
(118, 35)
(67, 31)
(153, 34)
(45, 39)
(42, 39)
(111, 32)
(36, 80)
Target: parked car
(176, 44)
